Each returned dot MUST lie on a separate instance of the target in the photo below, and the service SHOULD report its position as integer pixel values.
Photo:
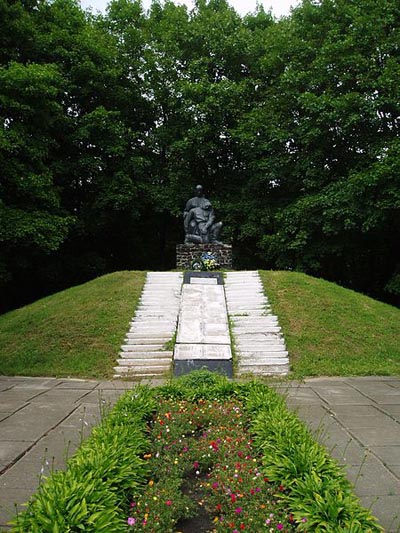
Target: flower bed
(204, 450)
(199, 454)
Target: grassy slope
(76, 332)
(330, 330)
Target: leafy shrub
(318, 494)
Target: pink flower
(168, 502)
(238, 510)
(196, 465)
(279, 526)
(131, 521)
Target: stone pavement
(358, 420)
(42, 421)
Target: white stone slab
(184, 352)
(269, 370)
(149, 362)
(139, 347)
(254, 351)
(203, 318)
(141, 340)
(262, 357)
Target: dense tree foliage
(108, 122)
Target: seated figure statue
(199, 221)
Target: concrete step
(256, 350)
(150, 330)
(268, 370)
(148, 339)
(133, 347)
(253, 321)
(128, 348)
(124, 361)
(265, 358)
(266, 311)
(153, 323)
(142, 371)
(144, 356)
(255, 329)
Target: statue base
(187, 253)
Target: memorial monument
(202, 235)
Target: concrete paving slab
(38, 384)
(18, 397)
(302, 396)
(356, 422)
(5, 386)
(316, 417)
(74, 384)
(386, 509)
(22, 475)
(53, 451)
(373, 436)
(390, 455)
(33, 421)
(11, 449)
(11, 502)
(58, 396)
(392, 410)
(373, 479)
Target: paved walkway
(43, 420)
(358, 419)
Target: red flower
(233, 498)
(242, 526)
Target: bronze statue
(199, 220)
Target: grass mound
(330, 330)
(76, 332)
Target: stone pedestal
(187, 253)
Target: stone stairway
(258, 340)
(203, 335)
(143, 353)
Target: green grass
(74, 333)
(332, 331)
